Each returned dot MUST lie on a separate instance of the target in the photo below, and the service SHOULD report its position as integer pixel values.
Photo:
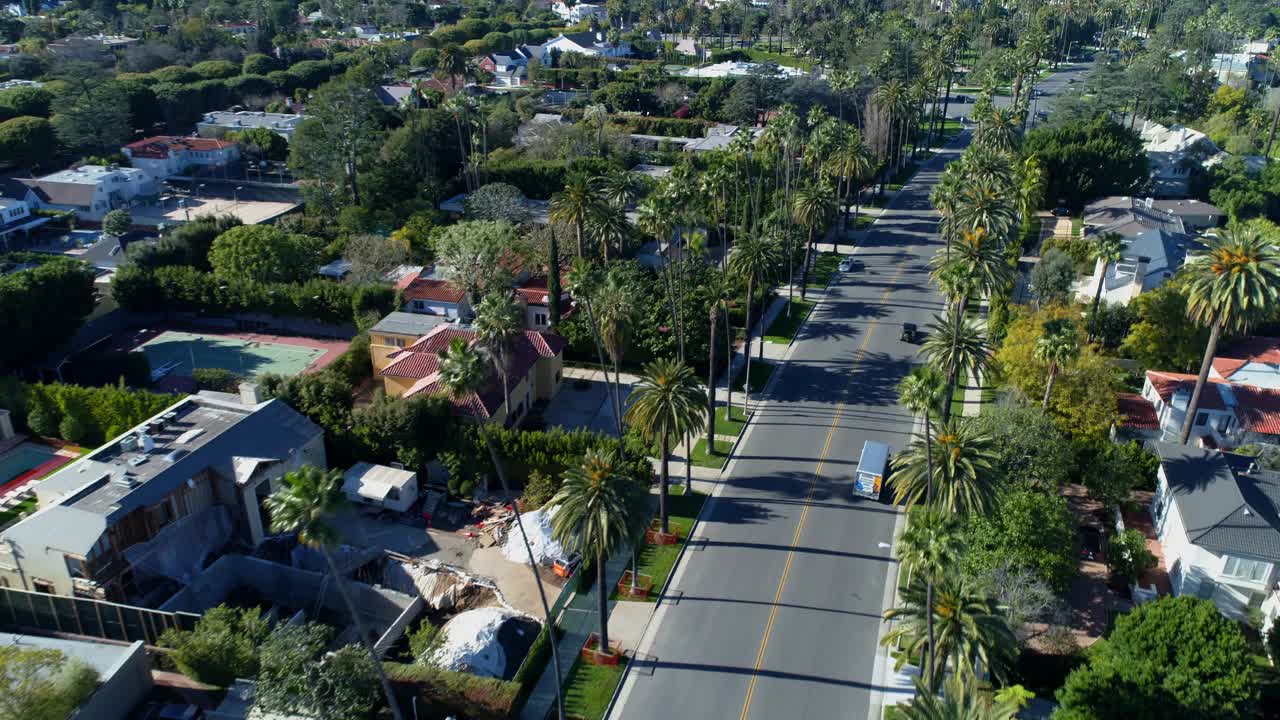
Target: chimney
(249, 394)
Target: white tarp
(537, 525)
(469, 643)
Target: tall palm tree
(616, 315)
(464, 371)
(979, 259)
(985, 204)
(1031, 188)
(499, 321)
(752, 259)
(618, 188)
(999, 130)
(812, 209)
(894, 99)
(594, 518)
(666, 403)
(1109, 250)
(960, 700)
(945, 198)
(1235, 285)
(1058, 346)
(957, 347)
(574, 205)
(921, 393)
(963, 460)
(306, 500)
(931, 545)
(609, 226)
(849, 162)
(971, 627)
(719, 289)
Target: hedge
(467, 695)
(540, 179)
(97, 413)
(185, 288)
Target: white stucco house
(590, 42)
(1215, 517)
(1156, 245)
(165, 156)
(1229, 415)
(578, 12)
(1174, 154)
(91, 191)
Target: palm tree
(616, 316)
(574, 205)
(1059, 345)
(979, 260)
(931, 544)
(594, 518)
(957, 347)
(1031, 187)
(609, 226)
(499, 321)
(985, 204)
(719, 291)
(921, 393)
(960, 700)
(1109, 250)
(961, 457)
(464, 371)
(666, 403)
(618, 188)
(812, 209)
(971, 627)
(999, 130)
(849, 162)
(307, 499)
(1235, 285)
(753, 259)
(945, 198)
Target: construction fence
(87, 616)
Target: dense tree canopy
(42, 307)
(1087, 160)
(1029, 528)
(264, 253)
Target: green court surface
(172, 353)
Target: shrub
(100, 412)
(174, 74)
(259, 64)
(216, 69)
(1128, 556)
(538, 489)
(463, 694)
(423, 640)
(216, 379)
(223, 645)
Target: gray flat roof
(406, 323)
(103, 657)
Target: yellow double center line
(813, 486)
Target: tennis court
(177, 353)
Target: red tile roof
(160, 146)
(421, 361)
(1258, 409)
(1264, 350)
(534, 291)
(1136, 412)
(421, 288)
(1167, 383)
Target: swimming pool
(23, 458)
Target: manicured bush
(216, 69)
(41, 307)
(216, 379)
(174, 74)
(1128, 556)
(97, 413)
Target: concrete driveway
(583, 402)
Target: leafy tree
(260, 143)
(27, 141)
(42, 684)
(216, 69)
(1236, 285)
(188, 244)
(1052, 277)
(1128, 556)
(337, 141)
(308, 498)
(96, 119)
(25, 100)
(117, 223)
(497, 201)
(1172, 657)
(264, 253)
(1029, 528)
(1026, 445)
(475, 254)
(41, 307)
(259, 64)
(1162, 337)
(373, 256)
(1087, 159)
(223, 645)
(595, 513)
(296, 677)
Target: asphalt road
(1045, 91)
(775, 611)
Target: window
(419, 305)
(42, 586)
(1201, 419)
(539, 318)
(1250, 570)
(75, 566)
(398, 342)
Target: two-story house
(1156, 243)
(91, 191)
(578, 12)
(534, 373)
(1215, 516)
(158, 501)
(164, 156)
(16, 217)
(220, 122)
(1174, 155)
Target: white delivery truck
(869, 477)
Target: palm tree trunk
(663, 485)
(1271, 136)
(550, 622)
(804, 267)
(341, 584)
(746, 381)
(1210, 350)
(930, 666)
(1048, 387)
(711, 382)
(946, 401)
(928, 460)
(602, 603)
(1097, 299)
(728, 349)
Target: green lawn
(702, 458)
(589, 688)
(786, 59)
(657, 561)
(1077, 226)
(863, 222)
(824, 266)
(13, 513)
(783, 329)
(734, 423)
(760, 374)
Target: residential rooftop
(86, 174)
(405, 323)
(251, 119)
(1226, 503)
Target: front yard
(589, 688)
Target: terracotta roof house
(163, 156)
(535, 373)
(1230, 414)
(1249, 361)
(1215, 517)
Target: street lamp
(1070, 47)
(235, 194)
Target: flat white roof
(373, 481)
(87, 174)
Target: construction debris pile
(537, 525)
(469, 643)
(442, 586)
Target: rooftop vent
(174, 456)
(137, 460)
(125, 480)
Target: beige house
(536, 369)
